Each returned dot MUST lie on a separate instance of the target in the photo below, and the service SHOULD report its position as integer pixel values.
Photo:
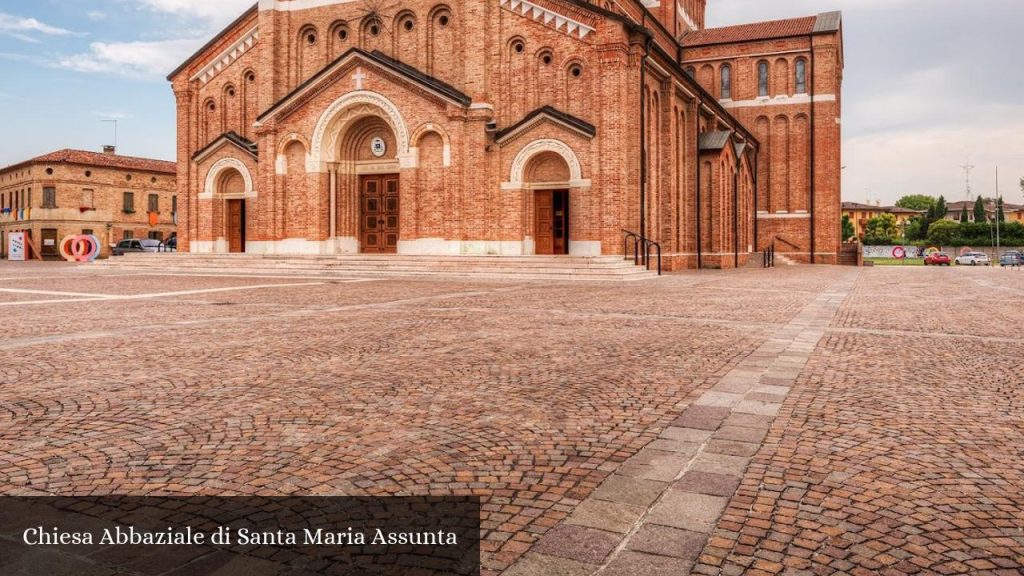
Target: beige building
(72, 192)
(860, 214)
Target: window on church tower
(726, 82)
(801, 76)
(762, 79)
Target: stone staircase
(783, 260)
(600, 268)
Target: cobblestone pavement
(899, 449)
(898, 431)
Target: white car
(973, 258)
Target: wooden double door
(379, 223)
(551, 232)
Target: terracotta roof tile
(748, 32)
(84, 158)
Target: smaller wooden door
(236, 226)
(551, 227)
(379, 222)
(50, 248)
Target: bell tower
(678, 16)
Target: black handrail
(768, 256)
(647, 244)
(786, 242)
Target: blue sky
(929, 84)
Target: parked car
(973, 258)
(171, 244)
(141, 245)
(1011, 258)
(937, 259)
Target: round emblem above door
(378, 147)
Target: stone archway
(362, 143)
(338, 117)
(548, 177)
(228, 187)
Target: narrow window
(49, 197)
(128, 235)
(174, 204)
(801, 76)
(154, 202)
(87, 198)
(762, 79)
(726, 82)
(129, 202)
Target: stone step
(590, 276)
(526, 268)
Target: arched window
(762, 79)
(691, 71)
(801, 76)
(726, 82)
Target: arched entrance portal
(362, 142)
(228, 186)
(232, 184)
(548, 175)
(371, 163)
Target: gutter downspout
(756, 170)
(736, 215)
(696, 142)
(813, 157)
(643, 136)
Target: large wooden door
(551, 227)
(236, 226)
(379, 222)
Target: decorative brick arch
(516, 179)
(210, 188)
(431, 128)
(349, 108)
(279, 160)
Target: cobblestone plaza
(802, 420)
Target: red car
(937, 259)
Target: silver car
(138, 245)
(973, 259)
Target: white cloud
(96, 16)
(213, 12)
(22, 28)
(142, 60)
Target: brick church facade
(511, 127)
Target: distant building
(860, 214)
(1013, 212)
(76, 192)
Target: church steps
(562, 268)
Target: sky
(929, 85)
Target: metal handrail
(647, 244)
(784, 241)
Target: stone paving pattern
(606, 426)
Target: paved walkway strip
(654, 515)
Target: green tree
(965, 216)
(943, 232)
(916, 202)
(1000, 215)
(848, 231)
(917, 229)
(881, 229)
(938, 210)
(979, 210)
